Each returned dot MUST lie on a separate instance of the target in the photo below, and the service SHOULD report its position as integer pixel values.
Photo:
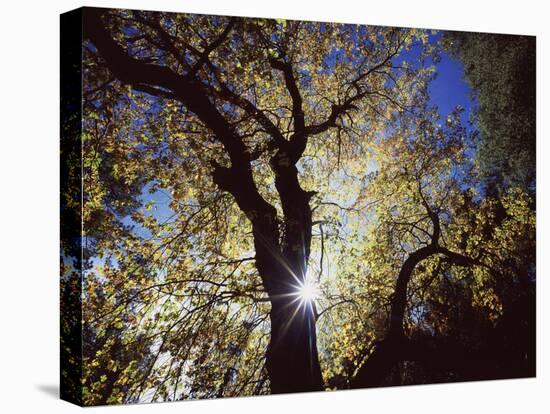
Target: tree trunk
(396, 346)
(391, 350)
(292, 359)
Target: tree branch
(299, 138)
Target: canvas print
(258, 206)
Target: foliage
(501, 70)
(178, 301)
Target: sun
(308, 291)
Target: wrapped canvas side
(71, 207)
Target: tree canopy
(501, 69)
(277, 206)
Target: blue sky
(450, 89)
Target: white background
(29, 217)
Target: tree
(427, 229)
(501, 70)
(226, 161)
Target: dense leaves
(502, 71)
(227, 162)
